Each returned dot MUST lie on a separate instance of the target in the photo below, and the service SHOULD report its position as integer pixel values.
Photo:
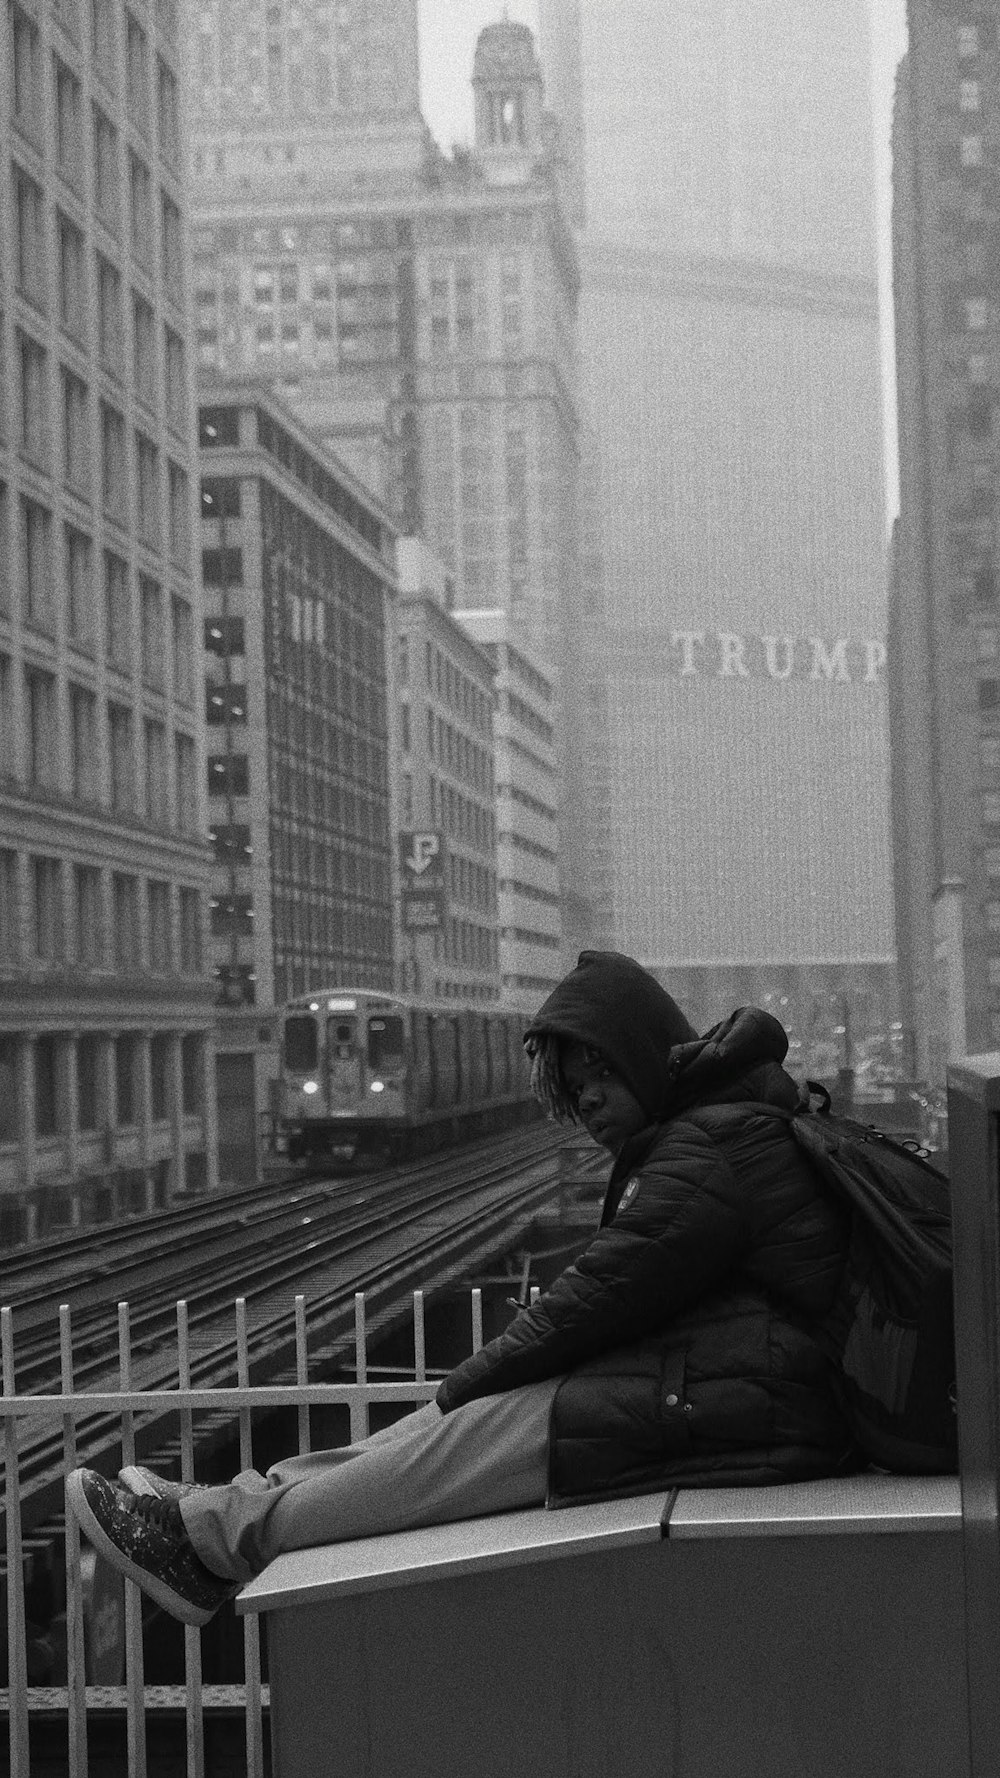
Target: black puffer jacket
(684, 1330)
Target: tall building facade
(418, 310)
(447, 793)
(106, 1077)
(945, 660)
(735, 760)
(298, 564)
(527, 802)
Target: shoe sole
(164, 1595)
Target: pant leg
(488, 1456)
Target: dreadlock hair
(547, 1082)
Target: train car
(365, 1072)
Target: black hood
(612, 1003)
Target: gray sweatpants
(488, 1456)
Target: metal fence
(138, 1408)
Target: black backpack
(891, 1330)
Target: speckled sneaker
(140, 1481)
(143, 1537)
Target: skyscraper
(417, 309)
(734, 562)
(106, 1070)
(945, 679)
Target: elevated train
(366, 1072)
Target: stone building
(734, 817)
(447, 794)
(106, 1072)
(945, 657)
(526, 745)
(298, 563)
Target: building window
(72, 293)
(968, 41)
(991, 809)
(137, 72)
(125, 905)
(140, 193)
(220, 497)
(969, 95)
(144, 341)
(83, 743)
(157, 788)
(121, 759)
(176, 378)
(182, 633)
(34, 403)
(167, 112)
(993, 970)
(171, 244)
(228, 774)
(190, 932)
(36, 563)
(25, 71)
(232, 915)
(88, 918)
(117, 611)
(187, 800)
(79, 585)
(46, 909)
(114, 489)
(988, 694)
(106, 174)
(110, 325)
(977, 314)
(46, 1086)
(151, 607)
(191, 1075)
(148, 489)
(180, 528)
(88, 1097)
(76, 431)
(9, 923)
(29, 238)
(68, 122)
(126, 1094)
(225, 703)
(160, 960)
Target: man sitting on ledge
(678, 1349)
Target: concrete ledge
(841, 1505)
(470, 1546)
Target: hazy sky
(449, 29)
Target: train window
(301, 1051)
(385, 1043)
(341, 1036)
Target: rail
(135, 1408)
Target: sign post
(421, 858)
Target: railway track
(378, 1234)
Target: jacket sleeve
(675, 1240)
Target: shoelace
(163, 1515)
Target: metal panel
(473, 1546)
(843, 1505)
(793, 1658)
(973, 1107)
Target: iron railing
(138, 1409)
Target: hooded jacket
(684, 1334)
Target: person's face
(608, 1110)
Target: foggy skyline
(448, 32)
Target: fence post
(974, 1149)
